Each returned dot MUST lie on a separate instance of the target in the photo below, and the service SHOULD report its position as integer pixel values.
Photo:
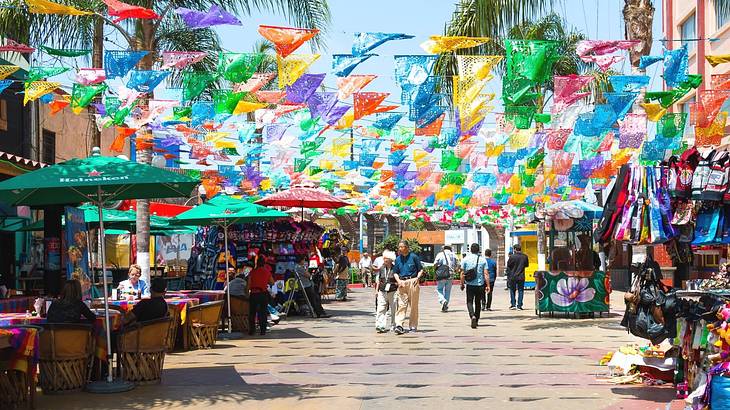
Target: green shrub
(390, 242)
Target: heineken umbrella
(96, 179)
(226, 211)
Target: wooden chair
(239, 313)
(17, 388)
(141, 350)
(174, 314)
(201, 326)
(66, 351)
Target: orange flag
(431, 129)
(366, 103)
(286, 39)
(122, 134)
(346, 86)
(57, 105)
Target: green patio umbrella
(226, 211)
(96, 179)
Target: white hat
(387, 254)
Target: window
(3, 114)
(49, 147)
(686, 106)
(688, 31)
(722, 13)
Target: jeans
(408, 294)
(517, 286)
(443, 289)
(474, 295)
(386, 309)
(489, 294)
(341, 289)
(258, 306)
(315, 299)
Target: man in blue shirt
(492, 270)
(474, 275)
(407, 271)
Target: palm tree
(638, 18)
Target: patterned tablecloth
(204, 296)
(17, 304)
(115, 318)
(24, 342)
(181, 304)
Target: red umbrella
(303, 198)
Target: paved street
(514, 360)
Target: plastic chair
(141, 350)
(66, 352)
(201, 326)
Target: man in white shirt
(365, 266)
(445, 267)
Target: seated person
(150, 309)
(237, 284)
(560, 259)
(69, 308)
(134, 285)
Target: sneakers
(520, 308)
(473, 323)
(380, 330)
(484, 308)
(512, 308)
(413, 329)
(324, 316)
(399, 330)
(445, 306)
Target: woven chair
(141, 349)
(201, 326)
(66, 351)
(174, 314)
(239, 313)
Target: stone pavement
(514, 360)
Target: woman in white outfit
(385, 286)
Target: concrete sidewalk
(514, 360)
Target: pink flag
(566, 90)
(603, 47)
(90, 76)
(181, 59)
(255, 83)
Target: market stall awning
(303, 198)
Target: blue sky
(598, 19)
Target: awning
(157, 208)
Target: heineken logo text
(99, 178)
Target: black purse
(471, 274)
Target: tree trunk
(638, 18)
(146, 37)
(97, 61)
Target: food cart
(574, 282)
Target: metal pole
(360, 222)
(109, 377)
(228, 289)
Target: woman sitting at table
(69, 308)
(134, 285)
(150, 309)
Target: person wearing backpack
(474, 278)
(445, 266)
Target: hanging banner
(77, 251)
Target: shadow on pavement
(656, 394)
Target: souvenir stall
(574, 282)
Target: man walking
(445, 265)
(492, 271)
(385, 287)
(407, 271)
(516, 265)
(342, 273)
(365, 266)
(474, 276)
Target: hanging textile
(632, 131)
(344, 64)
(346, 86)
(145, 81)
(365, 103)
(444, 44)
(603, 47)
(556, 138)
(7, 70)
(365, 42)
(303, 88)
(49, 7)
(117, 63)
(711, 135)
(720, 82)
(215, 17)
(654, 111)
(37, 89)
(520, 116)
(15, 47)
(255, 83)
(431, 128)
(709, 104)
(57, 105)
(271, 97)
(225, 101)
(201, 112)
(386, 122)
(5, 84)
(122, 134)
(244, 107)
(566, 90)
(620, 102)
(83, 95)
(181, 59)
(286, 39)
(65, 52)
(675, 66)
(194, 83)
(42, 73)
(715, 60)
(292, 67)
(239, 67)
(647, 61)
(123, 11)
(321, 103)
(628, 83)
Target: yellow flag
(718, 59)
(225, 144)
(245, 107)
(326, 164)
(293, 66)
(443, 44)
(654, 111)
(49, 7)
(346, 120)
(266, 184)
(38, 89)
(6, 70)
(492, 150)
(419, 155)
(520, 138)
(215, 136)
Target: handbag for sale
(706, 226)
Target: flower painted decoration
(572, 290)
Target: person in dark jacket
(152, 308)
(516, 265)
(69, 308)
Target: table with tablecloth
(180, 303)
(204, 296)
(115, 319)
(22, 364)
(17, 304)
